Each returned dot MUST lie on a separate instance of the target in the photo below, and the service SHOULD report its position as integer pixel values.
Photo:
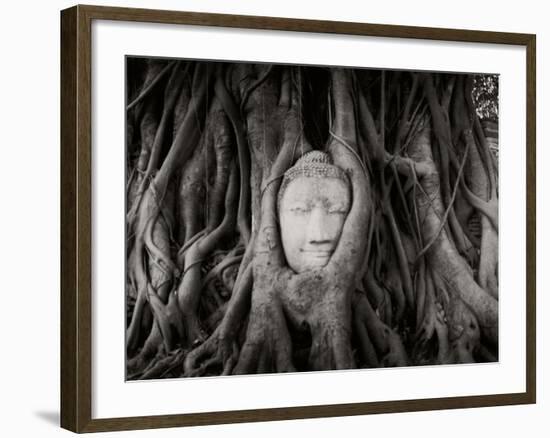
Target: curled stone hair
(313, 164)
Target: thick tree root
(390, 351)
(443, 255)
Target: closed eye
(338, 211)
(299, 210)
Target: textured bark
(443, 257)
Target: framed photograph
(267, 218)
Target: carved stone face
(312, 212)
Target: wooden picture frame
(76, 218)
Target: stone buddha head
(313, 202)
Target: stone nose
(317, 227)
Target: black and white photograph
(275, 219)
(291, 218)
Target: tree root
(464, 331)
(189, 289)
(429, 321)
(443, 256)
(387, 343)
(268, 347)
(220, 349)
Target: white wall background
(29, 223)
